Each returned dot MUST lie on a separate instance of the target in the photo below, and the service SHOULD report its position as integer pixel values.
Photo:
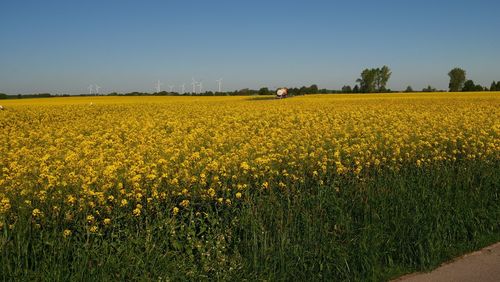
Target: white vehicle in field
(281, 93)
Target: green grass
(374, 228)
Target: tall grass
(371, 230)
(348, 229)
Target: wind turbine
(200, 84)
(171, 87)
(219, 82)
(158, 86)
(90, 88)
(97, 87)
(193, 82)
(183, 88)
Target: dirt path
(483, 265)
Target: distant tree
(493, 86)
(374, 80)
(457, 79)
(355, 89)
(313, 89)
(469, 86)
(497, 88)
(346, 89)
(429, 89)
(480, 88)
(302, 90)
(409, 89)
(383, 75)
(3, 96)
(264, 91)
(378, 78)
(367, 81)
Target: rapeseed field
(346, 187)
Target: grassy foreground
(315, 188)
(350, 230)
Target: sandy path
(483, 265)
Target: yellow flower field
(92, 159)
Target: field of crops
(342, 187)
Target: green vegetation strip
(349, 229)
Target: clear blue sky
(63, 46)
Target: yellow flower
(136, 212)
(211, 192)
(67, 233)
(124, 202)
(185, 203)
(107, 221)
(238, 195)
(244, 166)
(94, 229)
(36, 213)
(175, 210)
(358, 170)
(90, 219)
(71, 200)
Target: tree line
(459, 82)
(371, 80)
(40, 95)
(375, 80)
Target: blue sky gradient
(121, 45)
